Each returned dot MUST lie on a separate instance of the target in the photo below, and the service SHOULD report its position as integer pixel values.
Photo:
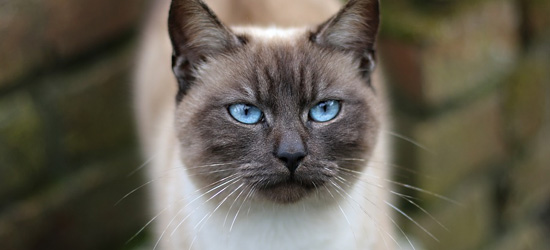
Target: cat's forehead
(270, 34)
(282, 66)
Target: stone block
(525, 97)
(435, 59)
(22, 145)
(92, 107)
(529, 188)
(73, 27)
(36, 34)
(460, 144)
(78, 212)
(527, 106)
(535, 18)
(469, 224)
(526, 236)
(22, 37)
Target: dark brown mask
(280, 116)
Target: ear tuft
(196, 34)
(353, 29)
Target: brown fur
(217, 65)
(286, 83)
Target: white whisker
(403, 185)
(412, 220)
(133, 191)
(405, 138)
(147, 224)
(405, 197)
(386, 214)
(344, 214)
(228, 184)
(238, 210)
(143, 165)
(213, 165)
(231, 206)
(364, 211)
(219, 205)
(181, 209)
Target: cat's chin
(286, 192)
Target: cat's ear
(353, 29)
(196, 34)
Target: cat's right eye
(325, 111)
(245, 113)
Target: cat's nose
(291, 151)
(291, 160)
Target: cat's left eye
(245, 113)
(325, 111)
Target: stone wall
(471, 87)
(66, 131)
(469, 80)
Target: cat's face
(281, 115)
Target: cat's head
(280, 112)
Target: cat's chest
(267, 229)
(268, 226)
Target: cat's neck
(270, 226)
(242, 224)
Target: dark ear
(196, 34)
(353, 29)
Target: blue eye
(245, 113)
(325, 111)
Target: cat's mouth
(275, 183)
(291, 182)
(289, 190)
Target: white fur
(359, 221)
(353, 224)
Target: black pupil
(245, 110)
(324, 106)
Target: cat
(265, 129)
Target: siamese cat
(262, 122)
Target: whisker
(405, 197)
(213, 165)
(145, 184)
(364, 211)
(228, 184)
(408, 139)
(377, 161)
(384, 165)
(344, 214)
(386, 214)
(212, 172)
(163, 210)
(156, 179)
(192, 242)
(181, 209)
(219, 205)
(425, 191)
(238, 210)
(133, 191)
(230, 207)
(411, 219)
(143, 165)
(402, 185)
(358, 178)
(147, 224)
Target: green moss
(22, 143)
(420, 21)
(525, 97)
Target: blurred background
(470, 81)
